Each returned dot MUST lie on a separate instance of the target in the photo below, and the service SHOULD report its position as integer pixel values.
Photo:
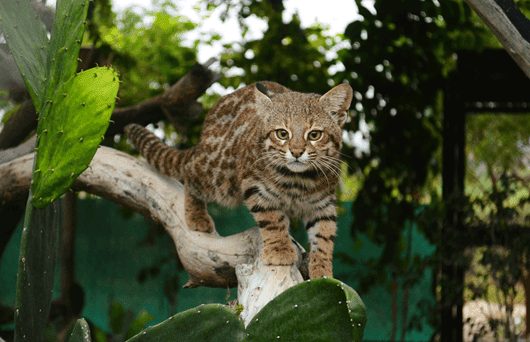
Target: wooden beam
(504, 29)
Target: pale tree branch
(209, 259)
(510, 27)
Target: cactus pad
(80, 332)
(68, 136)
(208, 323)
(316, 310)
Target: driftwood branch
(509, 25)
(210, 260)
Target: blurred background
(433, 225)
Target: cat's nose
(297, 152)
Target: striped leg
(274, 228)
(321, 234)
(197, 216)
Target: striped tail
(164, 159)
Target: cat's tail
(163, 158)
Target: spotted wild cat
(274, 149)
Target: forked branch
(209, 259)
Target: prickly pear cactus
(315, 310)
(36, 271)
(70, 132)
(74, 112)
(26, 37)
(44, 64)
(80, 332)
(208, 323)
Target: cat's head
(303, 131)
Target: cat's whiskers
(331, 159)
(330, 170)
(330, 166)
(345, 155)
(340, 162)
(315, 164)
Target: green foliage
(123, 323)
(150, 56)
(70, 131)
(397, 65)
(117, 315)
(398, 62)
(80, 332)
(496, 142)
(287, 54)
(498, 269)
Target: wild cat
(274, 149)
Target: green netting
(111, 250)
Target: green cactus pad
(316, 310)
(206, 323)
(26, 37)
(80, 332)
(68, 136)
(357, 312)
(64, 48)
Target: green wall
(111, 250)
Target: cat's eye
(314, 135)
(282, 134)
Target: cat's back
(235, 110)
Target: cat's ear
(337, 102)
(263, 100)
(262, 94)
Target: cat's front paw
(279, 255)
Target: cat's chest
(294, 206)
(294, 201)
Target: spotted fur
(256, 147)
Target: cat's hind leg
(197, 216)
